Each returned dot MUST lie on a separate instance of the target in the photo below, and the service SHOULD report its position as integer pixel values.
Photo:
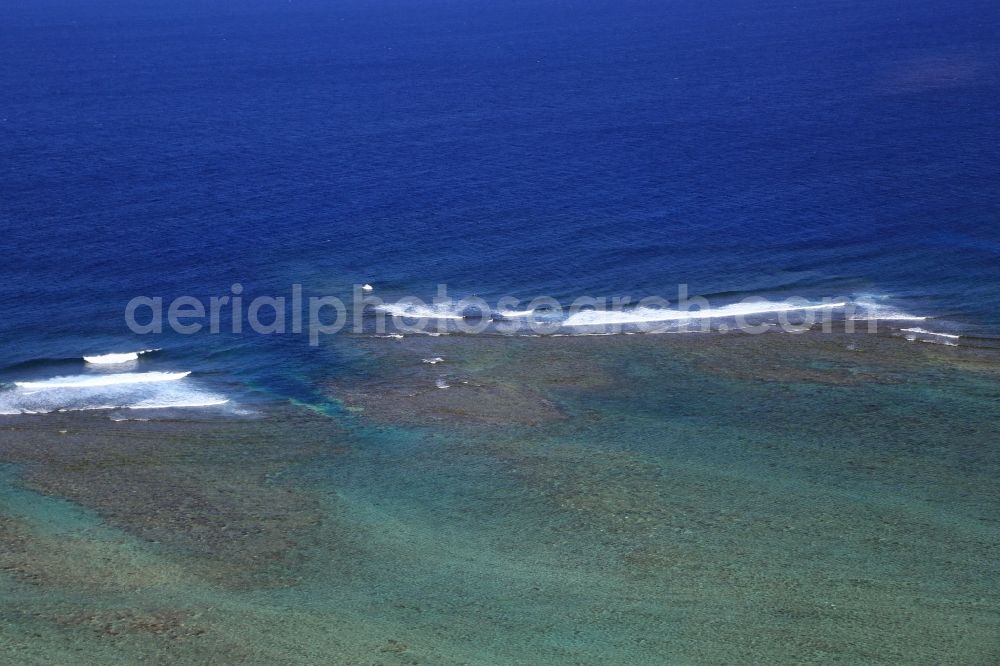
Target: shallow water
(701, 499)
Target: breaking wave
(652, 315)
(415, 311)
(116, 358)
(129, 390)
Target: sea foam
(877, 308)
(115, 358)
(416, 311)
(923, 335)
(923, 331)
(127, 390)
(86, 381)
(653, 315)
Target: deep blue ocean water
(599, 148)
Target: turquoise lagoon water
(625, 499)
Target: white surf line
(923, 331)
(116, 357)
(650, 315)
(85, 381)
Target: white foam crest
(88, 381)
(115, 358)
(414, 311)
(888, 316)
(516, 313)
(875, 308)
(525, 314)
(146, 390)
(649, 315)
(911, 337)
(923, 331)
(434, 361)
(190, 400)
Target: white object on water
(367, 287)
